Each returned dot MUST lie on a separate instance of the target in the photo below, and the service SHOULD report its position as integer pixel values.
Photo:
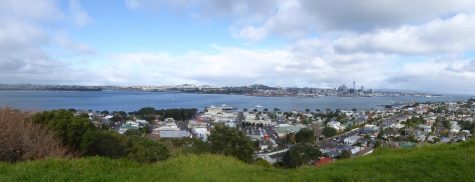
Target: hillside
(454, 162)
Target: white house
(273, 157)
(351, 140)
(336, 125)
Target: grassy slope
(440, 162)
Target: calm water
(133, 100)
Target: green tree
(305, 135)
(300, 154)
(231, 142)
(67, 127)
(104, 143)
(145, 150)
(329, 131)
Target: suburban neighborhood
(337, 134)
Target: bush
(145, 150)
(104, 143)
(65, 126)
(21, 140)
(80, 135)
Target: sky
(421, 45)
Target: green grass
(455, 162)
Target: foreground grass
(454, 162)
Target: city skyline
(410, 45)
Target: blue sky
(418, 45)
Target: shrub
(21, 140)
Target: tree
(266, 110)
(145, 150)
(67, 127)
(305, 135)
(329, 131)
(105, 112)
(300, 154)
(345, 154)
(231, 142)
(104, 143)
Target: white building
(351, 140)
(454, 127)
(336, 125)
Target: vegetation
(329, 131)
(84, 139)
(22, 140)
(442, 162)
(300, 154)
(305, 135)
(149, 113)
(230, 141)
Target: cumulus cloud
(450, 35)
(370, 14)
(23, 41)
(306, 63)
(446, 75)
(255, 20)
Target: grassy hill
(455, 162)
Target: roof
(323, 161)
(174, 134)
(287, 128)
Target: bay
(115, 100)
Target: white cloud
(78, 16)
(451, 35)
(307, 63)
(447, 75)
(361, 15)
(24, 38)
(64, 41)
(254, 20)
(30, 10)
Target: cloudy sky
(421, 45)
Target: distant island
(251, 90)
(49, 87)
